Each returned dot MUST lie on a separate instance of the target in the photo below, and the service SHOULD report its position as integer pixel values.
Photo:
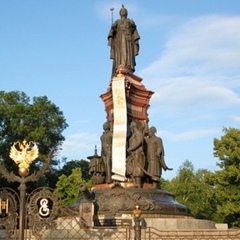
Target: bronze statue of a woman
(123, 39)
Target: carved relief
(131, 199)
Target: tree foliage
(68, 187)
(83, 164)
(227, 180)
(191, 189)
(212, 195)
(40, 121)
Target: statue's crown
(123, 11)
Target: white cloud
(235, 119)
(187, 135)
(185, 92)
(203, 45)
(79, 145)
(199, 67)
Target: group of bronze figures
(144, 156)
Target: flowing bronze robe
(123, 39)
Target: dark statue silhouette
(123, 39)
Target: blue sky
(189, 56)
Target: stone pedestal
(114, 205)
(154, 203)
(177, 223)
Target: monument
(127, 174)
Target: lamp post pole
(22, 189)
(137, 223)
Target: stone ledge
(177, 223)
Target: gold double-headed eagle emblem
(24, 153)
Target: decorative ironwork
(43, 209)
(11, 177)
(65, 223)
(9, 200)
(23, 154)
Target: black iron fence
(47, 219)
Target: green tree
(67, 187)
(206, 204)
(40, 121)
(227, 180)
(83, 164)
(181, 185)
(192, 189)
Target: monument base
(121, 198)
(113, 205)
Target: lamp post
(23, 154)
(137, 223)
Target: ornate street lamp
(137, 222)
